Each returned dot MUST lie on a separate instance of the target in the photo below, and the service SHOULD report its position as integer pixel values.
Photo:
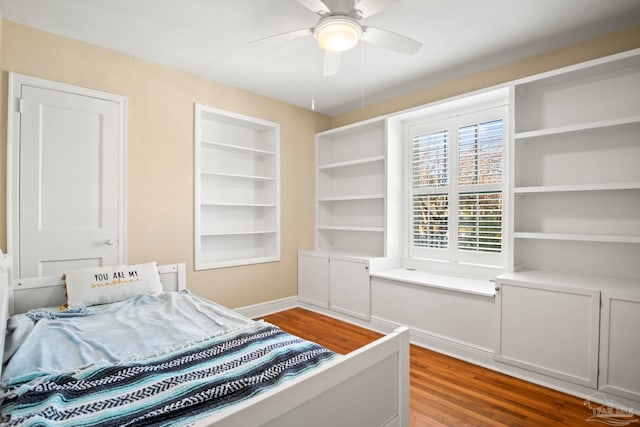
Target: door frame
(16, 81)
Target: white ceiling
(210, 38)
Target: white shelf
(360, 161)
(247, 205)
(572, 188)
(578, 128)
(577, 237)
(234, 262)
(233, 175)
(236, 233)
(349, 228)
(353, 197)
(239, 148)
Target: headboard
(25, 294)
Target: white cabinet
(575, 167)
(620, 344)
(570, 327)
(548, 328)
(350, 288)
(237, 189)
(339, 283)
(313, 279)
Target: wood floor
(446, 391)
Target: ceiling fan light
(337, 34)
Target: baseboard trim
(457, 349)
(269, 307)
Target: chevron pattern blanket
(176, 388)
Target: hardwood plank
(446, 391)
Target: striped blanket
(176, 388)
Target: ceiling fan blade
(390, 40)
(371, 7)
(289, 35)
(316, 6)
(331, 63)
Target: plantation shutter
(480, 164)
(430, 172)
(456, 188)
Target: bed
(368, 387)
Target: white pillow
(103, 285)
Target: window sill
(485, 288)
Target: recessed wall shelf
(240, 148)
(237, 197)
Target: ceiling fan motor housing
(337, 33)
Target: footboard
(368, 387)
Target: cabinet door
(620, 345)
(313, 279)
(551, 330)
(350, 292)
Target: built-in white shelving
(237, 197)
(575, 169)
(351, 189)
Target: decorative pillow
(103, 285)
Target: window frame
(453, 120)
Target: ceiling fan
(339, 30)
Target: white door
(350, 288)
(313, 279)
(620, 344)
(553, 330)
(69, 173)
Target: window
(456, 189)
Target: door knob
(109, 242)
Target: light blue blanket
(141, 326)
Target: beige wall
(160, 156)
(596, 48)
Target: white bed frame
(366, 388)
